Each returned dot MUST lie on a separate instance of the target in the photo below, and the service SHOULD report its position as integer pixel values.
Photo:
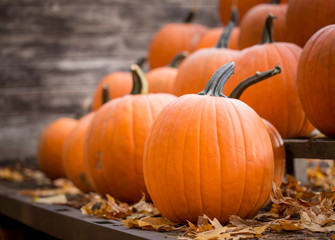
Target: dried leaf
(55, 199)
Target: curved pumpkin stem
(140, 84)
(175, 62)
(215, 84)
(141, 61)
(275, 2)
(267, 35)
(224, 38)
(259, 76)
(105, 94)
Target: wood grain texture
(54, 52)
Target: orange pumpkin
(199, 66)
(50, 147)
(275, 100)
(207, 154)
(162, 79)
(306, 17)
(251, 26)
(119, 85)
(73, 154)
(316, 83)
(172, 39)
(276, 140)
(114, 143)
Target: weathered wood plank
(19, 133)
(54, 52)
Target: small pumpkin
(251, 26)
(306, 17)
(199, 66)
(172, 39)
(162, 79)
(316, 84)
(50, 147)
(208, 154)
(275, 100)
(73, 154)
(119, 85)
(114, 142)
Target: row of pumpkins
(195, 154)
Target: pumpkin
(208, 154)
(306, 17)
(172, 39)
(119, 85)
(276, 139)
(114, 142)
(162, 79)
(73, 154)
(252, 24)
(212, 36)
(50, 147)
(275, 100)
(199, 66)
(316, 84)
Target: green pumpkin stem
(175, 62)
(140, 84)
(140, 62)
(216, 83)
(224, 39)
(234, 15)
(259, 76)
(267, 35)
(274, 2)
(105, 94)
(190, 15)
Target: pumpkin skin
(50, 147)
(316, 84)
(251, 25)
(211, 38)
(275, 100)
(73, 154)
(278, 153)
(119, 83)
(208, 155)
(114, 144)
(172, 39)
(318, 14)
(161, 79)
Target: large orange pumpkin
(172, 39)
(50, 147)
(316, 83)
(162, 79)
(119, 85)
(207, 154)
(114, 143)
(306, 17)
(199, 66)
(251, 25)
(73, 154)
(277, 99)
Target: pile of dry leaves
(295, 209)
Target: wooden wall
(54, 52)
